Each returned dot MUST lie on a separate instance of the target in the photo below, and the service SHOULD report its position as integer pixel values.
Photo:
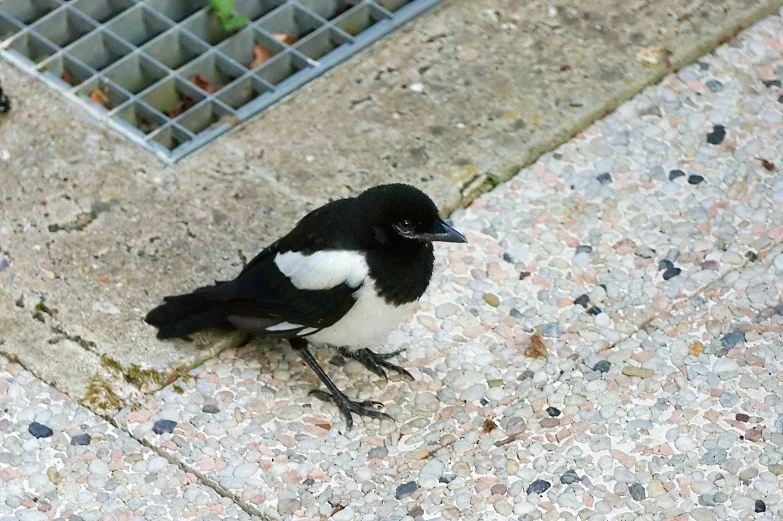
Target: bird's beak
(442, 232)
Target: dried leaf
(537, 347)
(204, 84)
(261, 54)
(183, 105)
(769, 165)
(696, 348)
(652, 56)
(489, 426)
(67, 77)
(286, 38)
(100, 97)
(146, 125)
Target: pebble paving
(606, 346)
(60, 461)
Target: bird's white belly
(366, 324)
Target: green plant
(230, 20)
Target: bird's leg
(346, 405)
(376, 362)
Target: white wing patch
(283, 326)
(323, 269)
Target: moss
(111, 363)
(139, 377)
(20, 302)
(100, 396)
(43, 308)
(80, 223)
(178, 389)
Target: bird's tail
(182, 315)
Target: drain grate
(167, 75)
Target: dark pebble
(526, 374)
(732, 339)
(665, 264)
(714, 85)
(604, 179)
(416, 511)
(508, 258)
(39, 430)
(515, 313)
(703, 65)
(760, 506)
(445, 479)
(638, 492)
(553, 411)
(780, 99)
(674, 174)
(308, 482)
(584, 248)
(595, 310)
(524, 275)
(717, 135)
(5, 103)
(751, 256)
(741, 417)
(582, 300)
(539, 486)
(81, 439)
(210, 408)
(695, 179)
(771, 83)
(671, 273)
(162, 426)
(337, 361)
(602, 366)
(406, 489)
(484, 402)
(569, 477)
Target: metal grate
(167, 75)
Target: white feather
(283, 326)
(323, 269)
(367, 323)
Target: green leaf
(223, 8)
(236, 22)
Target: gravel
(78, 466)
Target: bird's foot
(376, 362)
(349, 407)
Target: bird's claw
(376, 362)
(348, 406)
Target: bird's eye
(405, 227)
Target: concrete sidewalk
(96, 231)
(642, 262)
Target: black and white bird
(347, 275)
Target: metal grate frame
(140, 66)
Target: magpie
(347, 275)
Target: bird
(346, 275)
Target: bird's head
(403, 215)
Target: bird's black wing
(265, 301)
(262, 299)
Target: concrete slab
(96, 231)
